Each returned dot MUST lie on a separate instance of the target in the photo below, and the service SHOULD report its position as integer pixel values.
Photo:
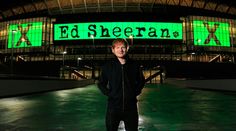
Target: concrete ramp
(15, 87)
(208, 84)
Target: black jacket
(121, 83)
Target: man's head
(120, 47)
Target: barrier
(16, 87)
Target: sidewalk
(161, 108)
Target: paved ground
(161, 107)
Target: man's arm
(140, 81)
(103, 81)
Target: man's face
(119, 50)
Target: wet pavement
(161, 108)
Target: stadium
(71, 38)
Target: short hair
(120, 40)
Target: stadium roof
(17, 8)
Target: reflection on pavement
(161, 108)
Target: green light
(25, 35)
(111, 30)
(208, 33)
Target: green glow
(25, 35)
(111, 30)
(211, 33)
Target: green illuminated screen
(208, 33)
(25, 35)
(110, 30)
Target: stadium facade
(63, 34)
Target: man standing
(122, 81)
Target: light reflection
(13, 108)
(13, 102)
(62, 94)
(67, 93)
(121, 126)
(140, 120)
(140, 124)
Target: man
(122, 81)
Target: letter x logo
(24, 37)
(211, 33)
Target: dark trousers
(130, 118)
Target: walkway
(162, 108)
